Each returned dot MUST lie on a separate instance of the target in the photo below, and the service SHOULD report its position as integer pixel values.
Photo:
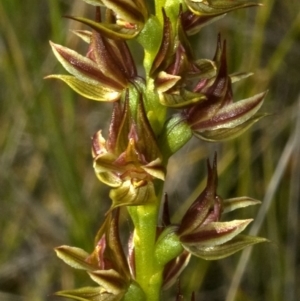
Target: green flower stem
(148, 272)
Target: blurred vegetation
(48, 192)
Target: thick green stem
(148, 272)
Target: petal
(96, 92)
(215, 233)
(224, 250)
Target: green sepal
(95, 92)
(175, 134)
(168, 246)
(224, 250)
(90, 294)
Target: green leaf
(224, 250)
(239, 202)
(95, 92)
(168, 246)
(89, 294)
(134, 292)
(175, 134)
(75, 257)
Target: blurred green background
(49, 195)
